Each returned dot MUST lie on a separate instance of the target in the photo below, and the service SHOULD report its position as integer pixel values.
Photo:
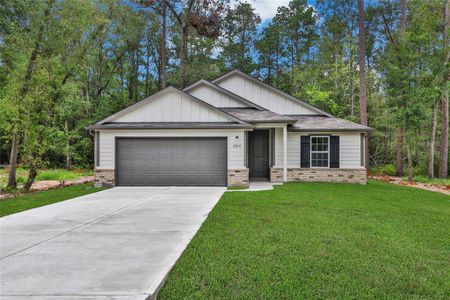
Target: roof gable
(218, 96)
(171, 105)
(265, 95)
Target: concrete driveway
(115, 244)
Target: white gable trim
(161, 93)
(271, 88)
(224, 91)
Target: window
(320, 146)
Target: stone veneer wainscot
(104, 177)
(320, 175)
(238, 177)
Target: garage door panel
(171, 161)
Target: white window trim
(311, 151)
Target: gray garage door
(171, 161)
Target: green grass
(319, 241)
(37, 199)
(46, 174)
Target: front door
(258, 155)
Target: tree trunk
(12, 183)
(443, 151)
(31, 177)
(432, 142)
(409, 157)
(183, 50)
(399, 152)
(147, 71)
(163, 46)
(352, 99)
(68, 150)
(403, 17)
(399, 129)
(362, 78)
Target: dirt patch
(440, 188)
(51, 184)
(43, 185)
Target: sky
(267, 8)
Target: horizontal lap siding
(263, 96)
(349, 148)
(214, 97)
(235, 153)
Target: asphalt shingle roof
(253, 115)
(324, 123)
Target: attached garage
(186, 161)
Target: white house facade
(227, 132)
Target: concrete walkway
(115, 244)
(256, 186)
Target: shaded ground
(319, 241)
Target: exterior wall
(103, 177)
(172, 107)
(349, 149)
(321, 175)
(215, 97)
(236, 146)
(263, 96)
(238, 177)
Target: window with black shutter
(334, 151)
(305, 152)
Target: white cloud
(266, 9)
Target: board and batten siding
(236, 146)
(264, 97)
(214, 97)
(172, 107)
(349, 148)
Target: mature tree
(204, 16)
(362, 78)
(34, 33)
(269, 47)
(239, 37)
(443, 164)
(399, 129)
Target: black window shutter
(334, 151)
(304, 151)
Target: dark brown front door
(258, 155)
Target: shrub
(386, 170)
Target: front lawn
(319, 241)
(32, 200)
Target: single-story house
(226, 132)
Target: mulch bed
(441, 188)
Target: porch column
(285, 153)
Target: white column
(285, 153)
